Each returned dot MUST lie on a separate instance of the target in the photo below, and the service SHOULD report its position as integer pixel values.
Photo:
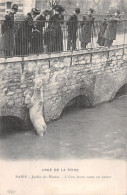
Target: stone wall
(96, 74)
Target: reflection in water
(99, 132)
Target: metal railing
(21, 39)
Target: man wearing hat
(31, 30)
(54, 34)
(40, 21)
(110, 32)
(24, 36)
(87, 27)
(72, 29)
(7, 30)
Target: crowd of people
(42, 31)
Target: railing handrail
(63, 20)
(43, 39)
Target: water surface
(99, 132)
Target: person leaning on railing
(103, 26)
(40, 23)
(87, 28)
(110, 32)
(29, 29)
(7, 30)
(53, 37)
(72, 24)
(24, 35)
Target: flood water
(99, 132)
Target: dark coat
(54, 34)
(29, 25)
(110, 32)
(72, 25)
(103, 27)
(23, 35)
(37, 38)
(86, 29)
(7, 30)
(40, 22)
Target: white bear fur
(35, 105)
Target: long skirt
(101, 40)
(53, 39)
(37, 43)
(108, 43)
(86, 34)
(8, 42)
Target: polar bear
(35, 104)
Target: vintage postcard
(63, 97)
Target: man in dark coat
(72, 29)
(7, 30)
(110, 32)
(24, 34)
(103, 26)
(54, 34)
(40, 21)
(29, 29)
(87, 28)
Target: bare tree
(102, 6)
(53, 3)
(71, 3)
(86, 4)
(97, 2)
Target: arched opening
(10, 125)
(122, 91)
(77, 102)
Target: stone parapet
(95, 74)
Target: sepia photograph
(63, 97)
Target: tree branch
(96, 3)
(69, 1)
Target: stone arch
(54, 107)
(117, 88)
(78, 101)
(122, 90)
(10, 124)
(19, 112)
(66, 99)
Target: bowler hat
(59, 8)
(117, 11)
(91, 10)
(77, 10)
(35, 11)
(46, 12)
(15, 7)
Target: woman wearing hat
(7, 30)
(54, 34)
(87, 25)
(110, 32)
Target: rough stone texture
(97, 75)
